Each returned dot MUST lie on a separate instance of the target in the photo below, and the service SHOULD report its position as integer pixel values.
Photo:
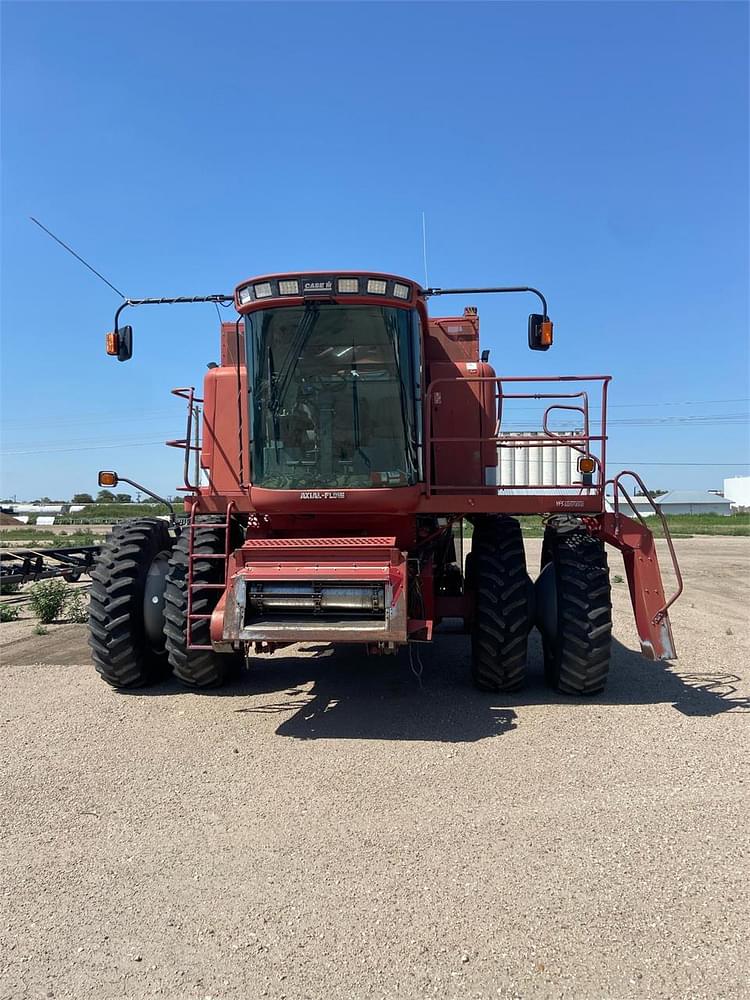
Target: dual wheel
(570, 604)
(138, 606)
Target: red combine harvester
(346, 437)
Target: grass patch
(680, 525)
(118, 511)
(41, 539)
(685, 525)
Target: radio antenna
(424, 250)
(78, 257)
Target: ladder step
(199, 618)
(207, 586)
(195, 556)
(193, 646)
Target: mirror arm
(150, 493)
(181, 299)
(482, 291)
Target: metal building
(693, 502)
(737, 491)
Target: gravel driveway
(328, 829)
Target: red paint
(373, 531)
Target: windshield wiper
(301, 336)
(391, 325)
(355, 411)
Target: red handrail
(579, 442)
(618, 488)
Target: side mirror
(540, 332)
(120, 344)
(107, 479)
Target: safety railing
(619, 490)
(189, 444)
(589, 440)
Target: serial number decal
(317, 286)
(322, 495)
(570, 503)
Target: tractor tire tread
(197, 668)
(502, 617)
(116, 637)
(584, 614)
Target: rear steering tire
(502, 614)
(126, 607)
(198, 668)
(578, 640)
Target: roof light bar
(323, 285)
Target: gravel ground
(327, 829)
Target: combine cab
(347, 440)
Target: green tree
(123, 497)
(82, 498)
(105, 496)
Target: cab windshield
(334, 396)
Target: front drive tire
(578, 647)
(502, 613)
(198, 668)
(126, 606)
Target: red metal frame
(384, 511)
(185, 443)
(191, 528)
(584, 443)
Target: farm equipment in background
(346, 438)
(24, 565)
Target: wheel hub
(153, 600)
(545, 594)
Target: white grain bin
(543, 463)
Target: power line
(86, 447)
(684, 402)
(98, 418)
(635, 465)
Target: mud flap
(650, 604)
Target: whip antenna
(424, 250)
(78, 257)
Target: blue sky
(597, 151)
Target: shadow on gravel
(354, 696)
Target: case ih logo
(317, 286)
(569, 503)
(322, 495)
